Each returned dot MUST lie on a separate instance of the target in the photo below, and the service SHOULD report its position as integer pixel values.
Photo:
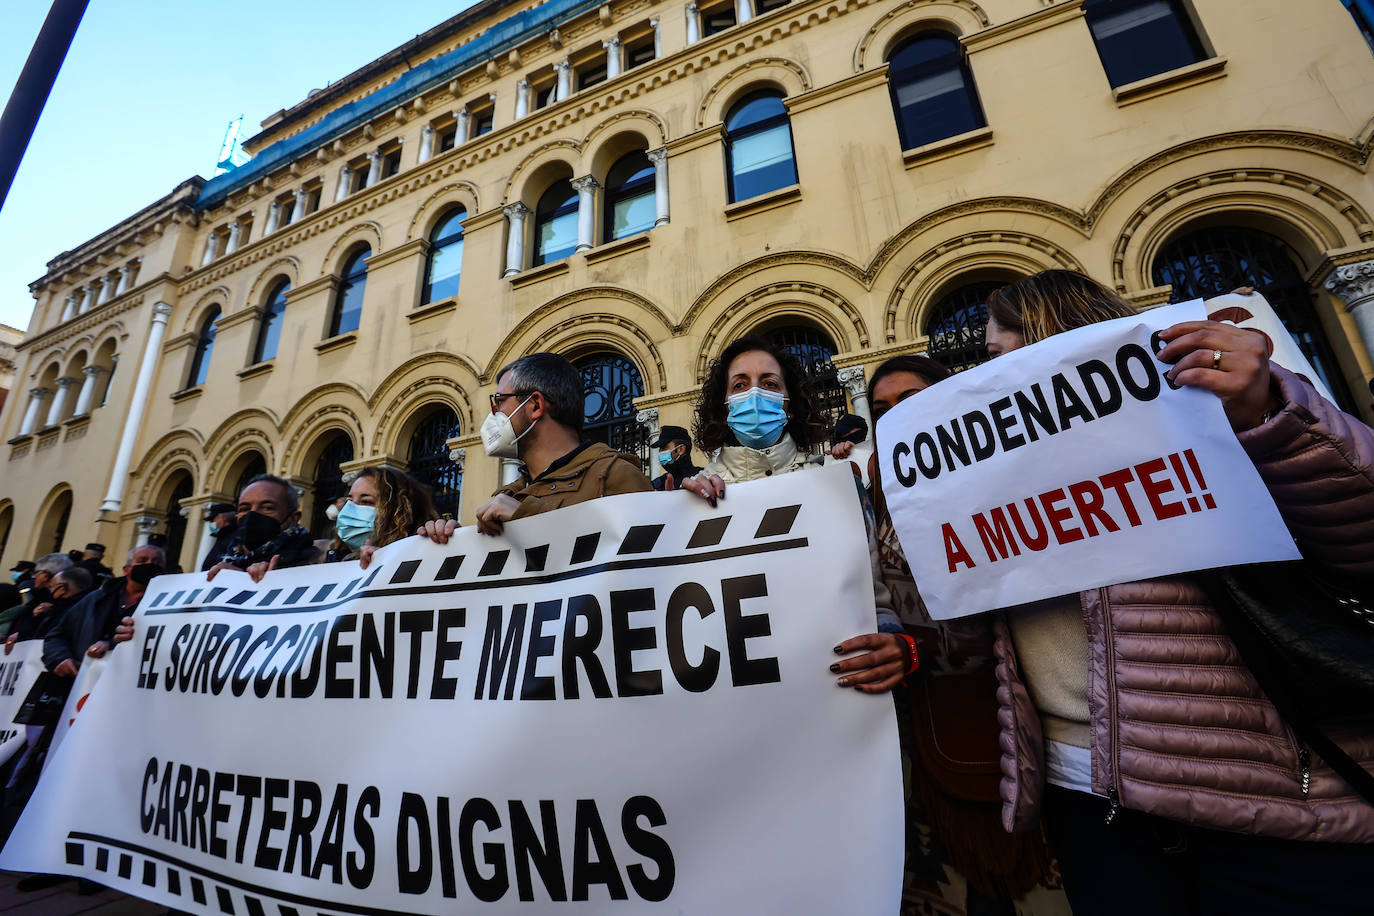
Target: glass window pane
(557, 238)
(445, 265)
(351, 305)
(1140, 38)
(269, 337)
(633, 215)
(754, 110)
(762, 162)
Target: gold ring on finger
(1216, 359)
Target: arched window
(610, 383)
(53, 529)
(176, 523)
(6, 526)
(629, 206)
(814, 349)
(429, 459)
(933, 95)
(269, 330)
(758, 146)
(555, 223)
(348, 307)
(1213, 261)
(255, 465)
(957, 327)
(1140, 38)
(200, 363)
(329, 484)
(445, 262)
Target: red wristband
(913, 659)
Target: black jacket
(30, 626)
(220, 545)
(680, 469)
(91, 619)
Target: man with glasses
(34, 621)
(536, 416)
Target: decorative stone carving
(586, 210)
(515, 243)
(1354, 285)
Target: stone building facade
(636, 182)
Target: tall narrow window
(555, 223)
(638, 54)
(329, 484)
(1140, 38)
(758, 146)
(933, 96)
(629, 207)
(269, 330)
(718, 18)
(591, 73)
(200, 363)
(445, 263)
(348, 307)
(429, 459)
(484, 121)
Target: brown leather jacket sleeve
(1318, 464)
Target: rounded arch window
(555, 223)
(269, 329)
(758, 146)
(205, 343)
(815, 351)
(329, 485)
(610, 384)
(629, 206)
(1213, 261)
(957, 326)
(348, 306)
(1138, 38)
(933, 94)
(254, 465)
(6, 527)
(53, 531)
(429, 460)
(444, 265)
(175, 522)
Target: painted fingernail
(859, 687)
(835, 667)
(838, 650)
(843, 682)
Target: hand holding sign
(1230, 362)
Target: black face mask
(257, 529)
(144, 573)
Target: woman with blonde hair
(384, 505)
(1174, 784)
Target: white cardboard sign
(1066, 465)
(619, 707)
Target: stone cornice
(327, 283)
(860, 82)
(1029, 24)
(233, 320)
(401, 252)
(100, 315)
(697, 139)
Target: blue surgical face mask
(757, 417)
(16, 576)
(665, 459)
(354, 524)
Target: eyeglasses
(498, 397)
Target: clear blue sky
(145, 94)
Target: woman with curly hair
(759, 416)
(384, 505)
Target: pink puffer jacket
(1179, 727)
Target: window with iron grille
(610, 383)
(255, 466)
(429, 461)
(1213, 261)
(176, 524)
(329, 484)
(957, 327)
(814, 349)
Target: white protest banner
(86, 676)
(1254, 312)
(18, 672)
(1070, 464)
(620, 706)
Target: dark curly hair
(807, 424)
(403, 504)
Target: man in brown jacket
(536, 416)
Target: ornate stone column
(658, 37)
(59, 401)
(146, 525)
(648, 418)
(273, 217)
(564, 70)
(614, 62)
(87, 393)
(522, 99)
(510, 470)
(374, 167)
(460, 126)
(852, 378)
(134, 421)
(586, 211)
(92, 294)
(36, 396)
(426, 143)
(515, 241)
(107, 288)
(341, 189)
(459, 456)
(211, 249)
(659, 157)
(1354, 285)
(81, 299)
(693, 25)
(126, 279)
(744, 11)
(69, 308)
(235, 232)
(298, 208)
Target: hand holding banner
(1069, 464)
(621, 705)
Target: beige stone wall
(1273, 132)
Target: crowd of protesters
(1111, 743)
